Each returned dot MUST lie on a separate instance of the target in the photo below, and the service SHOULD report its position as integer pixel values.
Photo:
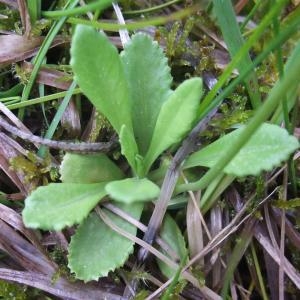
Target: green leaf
(172, 235)
(175, 118)
(266, 148)
(149, 80)
(100, 75)
(95, 249)
(88, 168)
(129, 147)
(58, 205)
(132, 190)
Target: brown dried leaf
(8, 152)
(5, 166)
(12, 218)
(25, 18)
(11, 3)
(71, 121)
(24, 253)
(194, 230)
(16, 48)
(265, 242)
(49, 76)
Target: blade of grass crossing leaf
(250, 15)
(265, 22)
(266, 148)
(41, 89)
(34, 9)
(262, 114)
(14, 91)
(150, 9)
(169, 293)
(41, 54)
(285, 108)
(96, 5)
(280, 68)
(259, 273)
(180, 14)
(43, 99)
(234, 40)
(57, 118)
(95, 249)
(236, 255)
(286, 32)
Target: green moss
(31, 168)
(183, 51)
(12, 291)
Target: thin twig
(62, 145)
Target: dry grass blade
(25, 254)
(194, 227)
(61, 287)
(160, 242)
(70, 120)
(13, 219)
(265, 242)
(25, 18)
(291, 232)
(49, 76)
(16, 48)
(271, 267)
(216, 227)
(208, 293)
(7, 152)
(11, 3)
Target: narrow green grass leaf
(88, 168)
(100, 74)
(149, 80)
(34, 10)
(234, 40)
(132, 190)
(260, 30)
(267, 148)
(261, 115)
(95, 5)
(96, 249)
(175, 118)
(110, 26)
(58, 205)
(58, 115)
(42, 53)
